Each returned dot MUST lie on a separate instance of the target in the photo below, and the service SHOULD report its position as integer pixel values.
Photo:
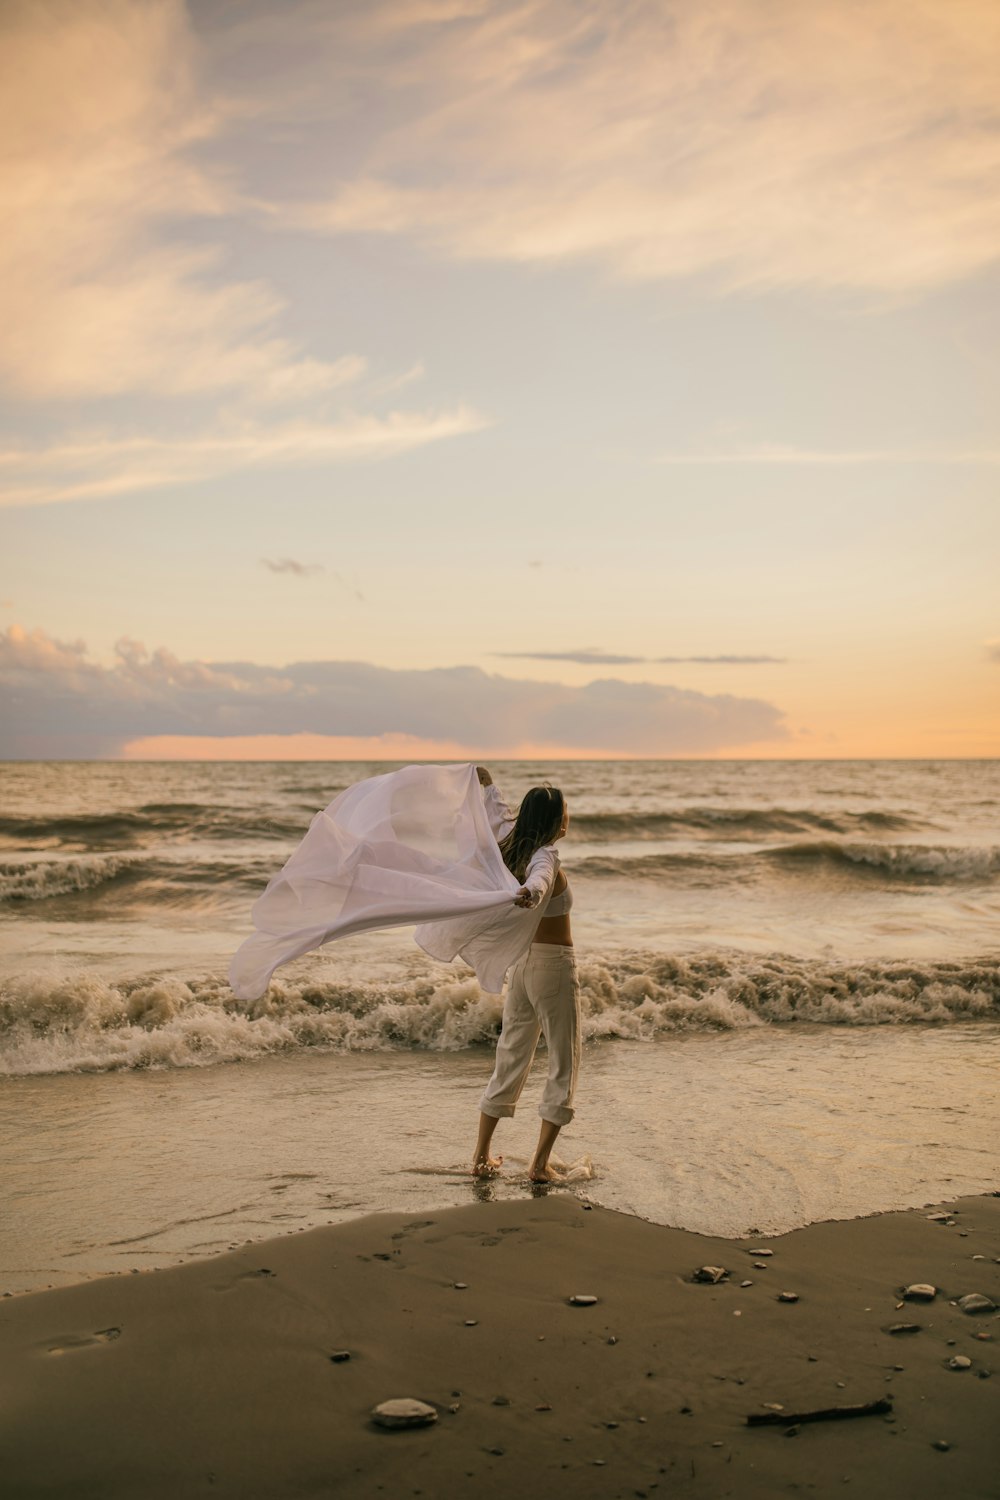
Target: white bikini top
(558, 906)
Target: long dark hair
(539, 819)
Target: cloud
(104, 114)
(62, 704)
(589, 656)
(595, 656)
(725, 661)
(100, 467)
(830, 144)
(773, 453)
(289, 565)
(992, 650)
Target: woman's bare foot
(544, 1174)
(487, 1166)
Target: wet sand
(216, 1378)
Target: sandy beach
(217, 1378)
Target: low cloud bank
(58, 703)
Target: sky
(456, 378)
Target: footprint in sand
(70, 1341)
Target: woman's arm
(543, 867)
(501, 816)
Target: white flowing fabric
(412, 846)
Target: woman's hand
(525, 897)
(485, 779)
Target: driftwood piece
(826, 1414)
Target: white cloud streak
(828, 144)
(101, 468)
(778, 454)
(59, 702)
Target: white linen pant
(543, 997)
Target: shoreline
(215, 1376)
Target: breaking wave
(153, 821)
(900, 861)
(81, 1022)
(159, 821)
(736, 822)
(117, 878)
(888, 863)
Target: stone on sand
(404, 1411)
(975, 1302)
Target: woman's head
(541, 819)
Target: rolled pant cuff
(496, 1111)
(556, 1116)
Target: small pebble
(717, 1443)
(501, 1400)
(760, 1265)
(582, 1299)
(941, 1446)
(960, 1362)
(460, 1286)
(543, 1406)
(984, 1374)
(763, 1252)
(711, 1274)
(746, 1283)
(598, 1463)
(611, 1425)
(791, 1432)
(471, 1322)
(339, 1355)
(920, 1291)
(903, 1328)
(979, 1257)
(613, 1340)
(788, 1296)
(404, 1412)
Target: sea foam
(82, 1022)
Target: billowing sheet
(411, 846)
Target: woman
(542, 992)
(436, 847)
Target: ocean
(790, 985)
